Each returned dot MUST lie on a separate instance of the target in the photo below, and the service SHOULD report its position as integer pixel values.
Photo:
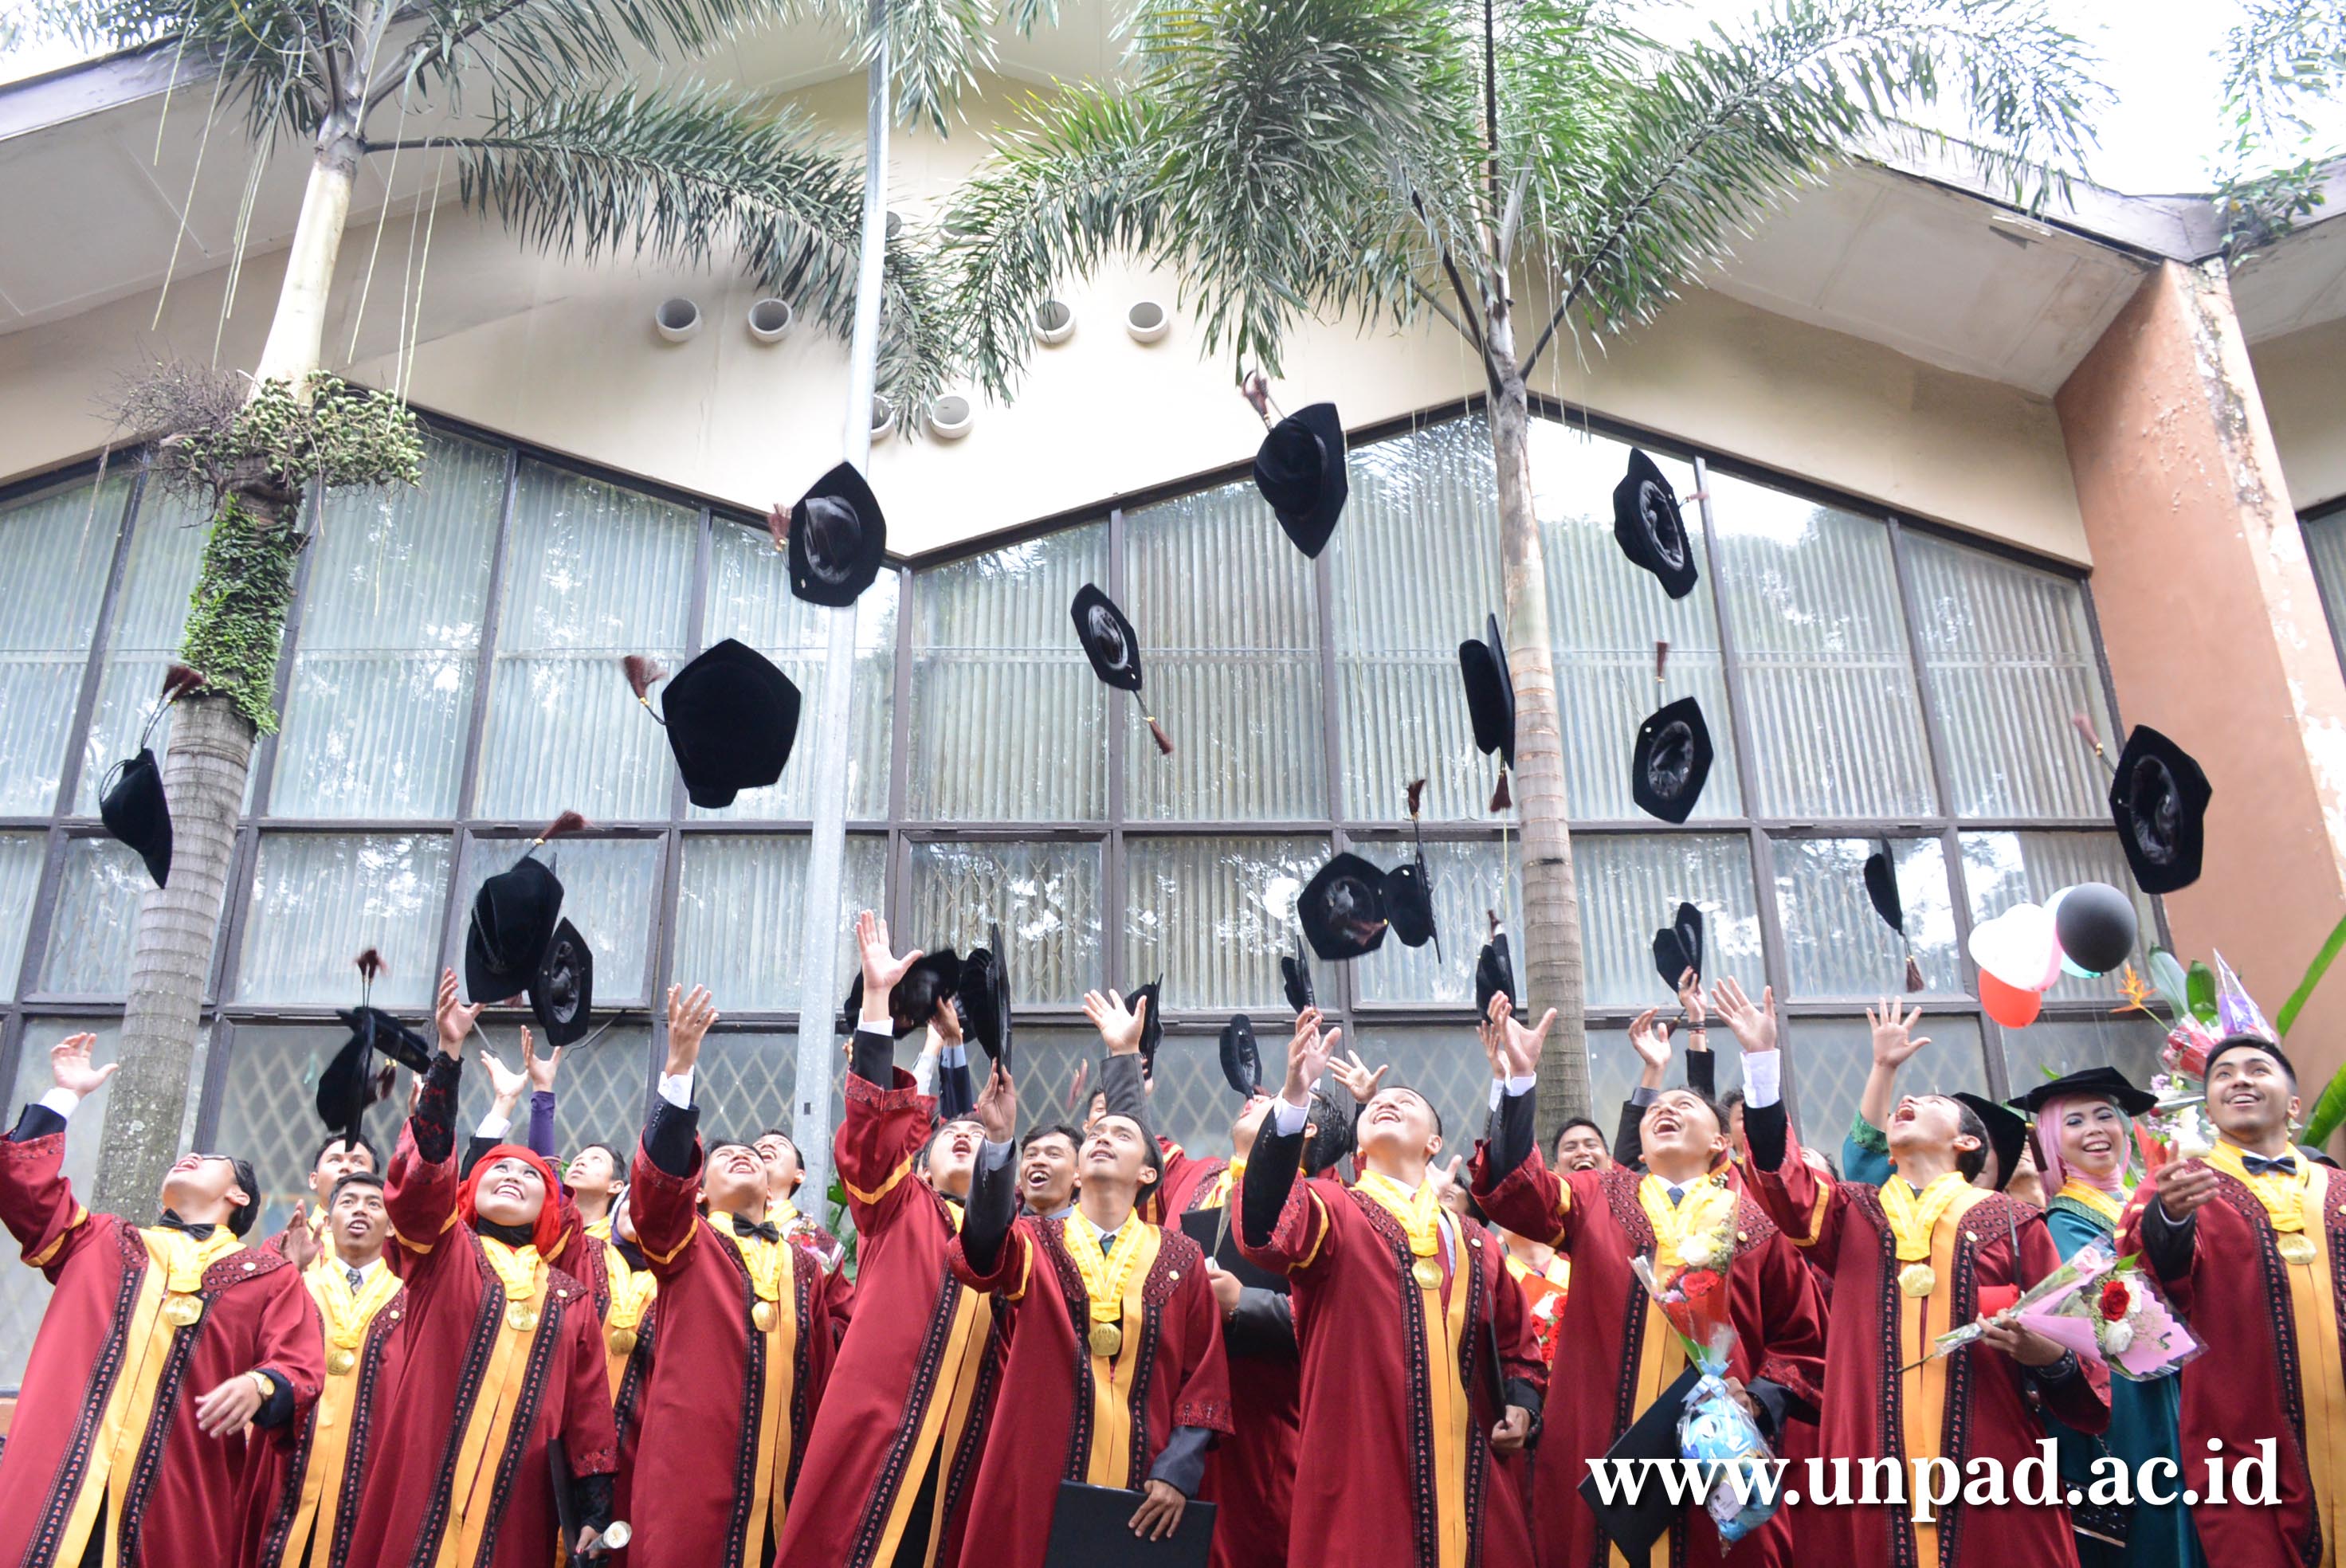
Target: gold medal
(2295, 1246)
(1106, 1338)
(179, 1311)
(1918, 1280)
(339, 1362)
(762, 1315)
(1428, 1273)
(520, 1318)
(621, 1340)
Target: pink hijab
(2057, 1171)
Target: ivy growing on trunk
(236, 617)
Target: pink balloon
(2018, 948)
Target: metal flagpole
(820, 990)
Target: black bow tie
(764, 1230)
(173, 1222)
(2257, 1165)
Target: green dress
(2144, 1425)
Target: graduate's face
(359, 1222)
(783, 1172)
(734, 1180)
(2092, 1136)
(1046, 1173)
(593, 1172)
(952, 1154)
(1932, 1121)
(1681, 1132)
(511, 1193)
(338, 1160)
(1250, 1122)
(1399, 1122)
(2249, 1094)
(1582, 1149)
(1116, 1151)
(1096, 1109)
(203, 1189)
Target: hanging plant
(236, 617)
(211, 431)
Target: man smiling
(1046, 1171)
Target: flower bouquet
(2101, 1307)
(1714, 1429)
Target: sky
(2160, 133)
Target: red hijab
(547, 1232)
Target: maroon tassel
(181, 680)
(2085, 727)
(643, 672)
(1913, 974)
(778, 524)
(371, 966)
(385, 1076)
(1163, 741)
(568, 822)
(1500, 798)
(1661, 659)
(1416, 796)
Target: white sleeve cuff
(492, 1125)
(955, 1055)
(1763, 1073)
(924, 1074)
(1289, 1118)
(1512, 1088)
(677, 1089)
(62, 1100)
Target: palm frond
(270, 53)
(2282, 52)
(692, 174)
(538, 47)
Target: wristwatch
(268, 1388)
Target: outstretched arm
(36, 1201)
(420, 1189)
(665, 1180)
(1510, 1181)
(1282, 1226)
(1795, 1195)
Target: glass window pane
(599, 1097)
(1413, 570)
(1229, 655)
(1212, 916)
(269, 1114)
(2001, 870)
(608, 888)
(1835, 945)
(1830, 1058)
(738, 927)
(2055, 1047)
(749, 599)
(96, 920)
(21, 858)
(321, 899)
(754, 1074)
(593, 573)
(1822, 649)
(381, 686)
(1605, 613)
(56, 549)
(1465, 880)
(1048, 1059)
(1440, 1061)
(2325, 549)
(1045, 897)
(1007, 716)
(1630, 884)
(150, 611)
(2011, 661)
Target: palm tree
(1386, 158)
(552, 136)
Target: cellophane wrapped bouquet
(1691, 1291)
(2105, 1310)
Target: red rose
(2115, 1300)
(1698, 1283)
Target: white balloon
(1279, 896)
(2018, 947)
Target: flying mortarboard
(131, 802)
(1882, 892)
(1649, 528)
(1295, 979)
(983, 997)
(1677, 946)
(2158, 799)
(1671, 760)
(2007, 1132)
(934, 978)
(1299, 469)
(1409, 892)
(1114, 648)
(1343, 908)
(350, 1081)
(1152, 1022)
(1490, 703)
(1242, 1057)
(730, 716)
(836, 538)
(2106, 1082)
(514, 916)
(1495, 972)
(562, 989)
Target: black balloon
(2096, 925)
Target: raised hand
(1119, 1026)
(944, 1029)
(1690, 1003)
(1307, 1051)
(881, 966)
(1355, 1075)
(300, 1243)
(2183, 1186)
(1752, 1025)
(1650, 1039)
(1894, 1041)
(541, 1069)
(69, 1065)
(998, 1108)
(1525, 1046)
(454, 1018)
(690, 1014)
(1446, 1180)
(505, 1085)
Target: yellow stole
(2087, 1195)
(1218, 1193)
(1113, 1279)
(346, 1319)
(600, 1229)
(945, 1416)
(1418, 1214)
(489, 1426)
(1925, 1227)
(633, 1290)
(169, 1300)
(771, 1266)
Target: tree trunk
(1553, 973)
(205, 772)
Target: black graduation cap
(2007, 1131)
(1114, 648)
(1343, 908)
(351, 1083)
(1409, 904)
(1091, 1526)
(1490, 703)
(1242, 1057)
(561, 991)
(1671, 760)
(1677, 946)
(1882, 892)
(514, 916)
(1299, 469)
(730, 716)
(1152, 1023)
(837, 539)
(983, 997)
(2102, 1081)
(1634, 1526)
(934, 978)
(2158, 799)
(1495, 972)
(134, 809)
(1649, 528)
(1295, 977)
